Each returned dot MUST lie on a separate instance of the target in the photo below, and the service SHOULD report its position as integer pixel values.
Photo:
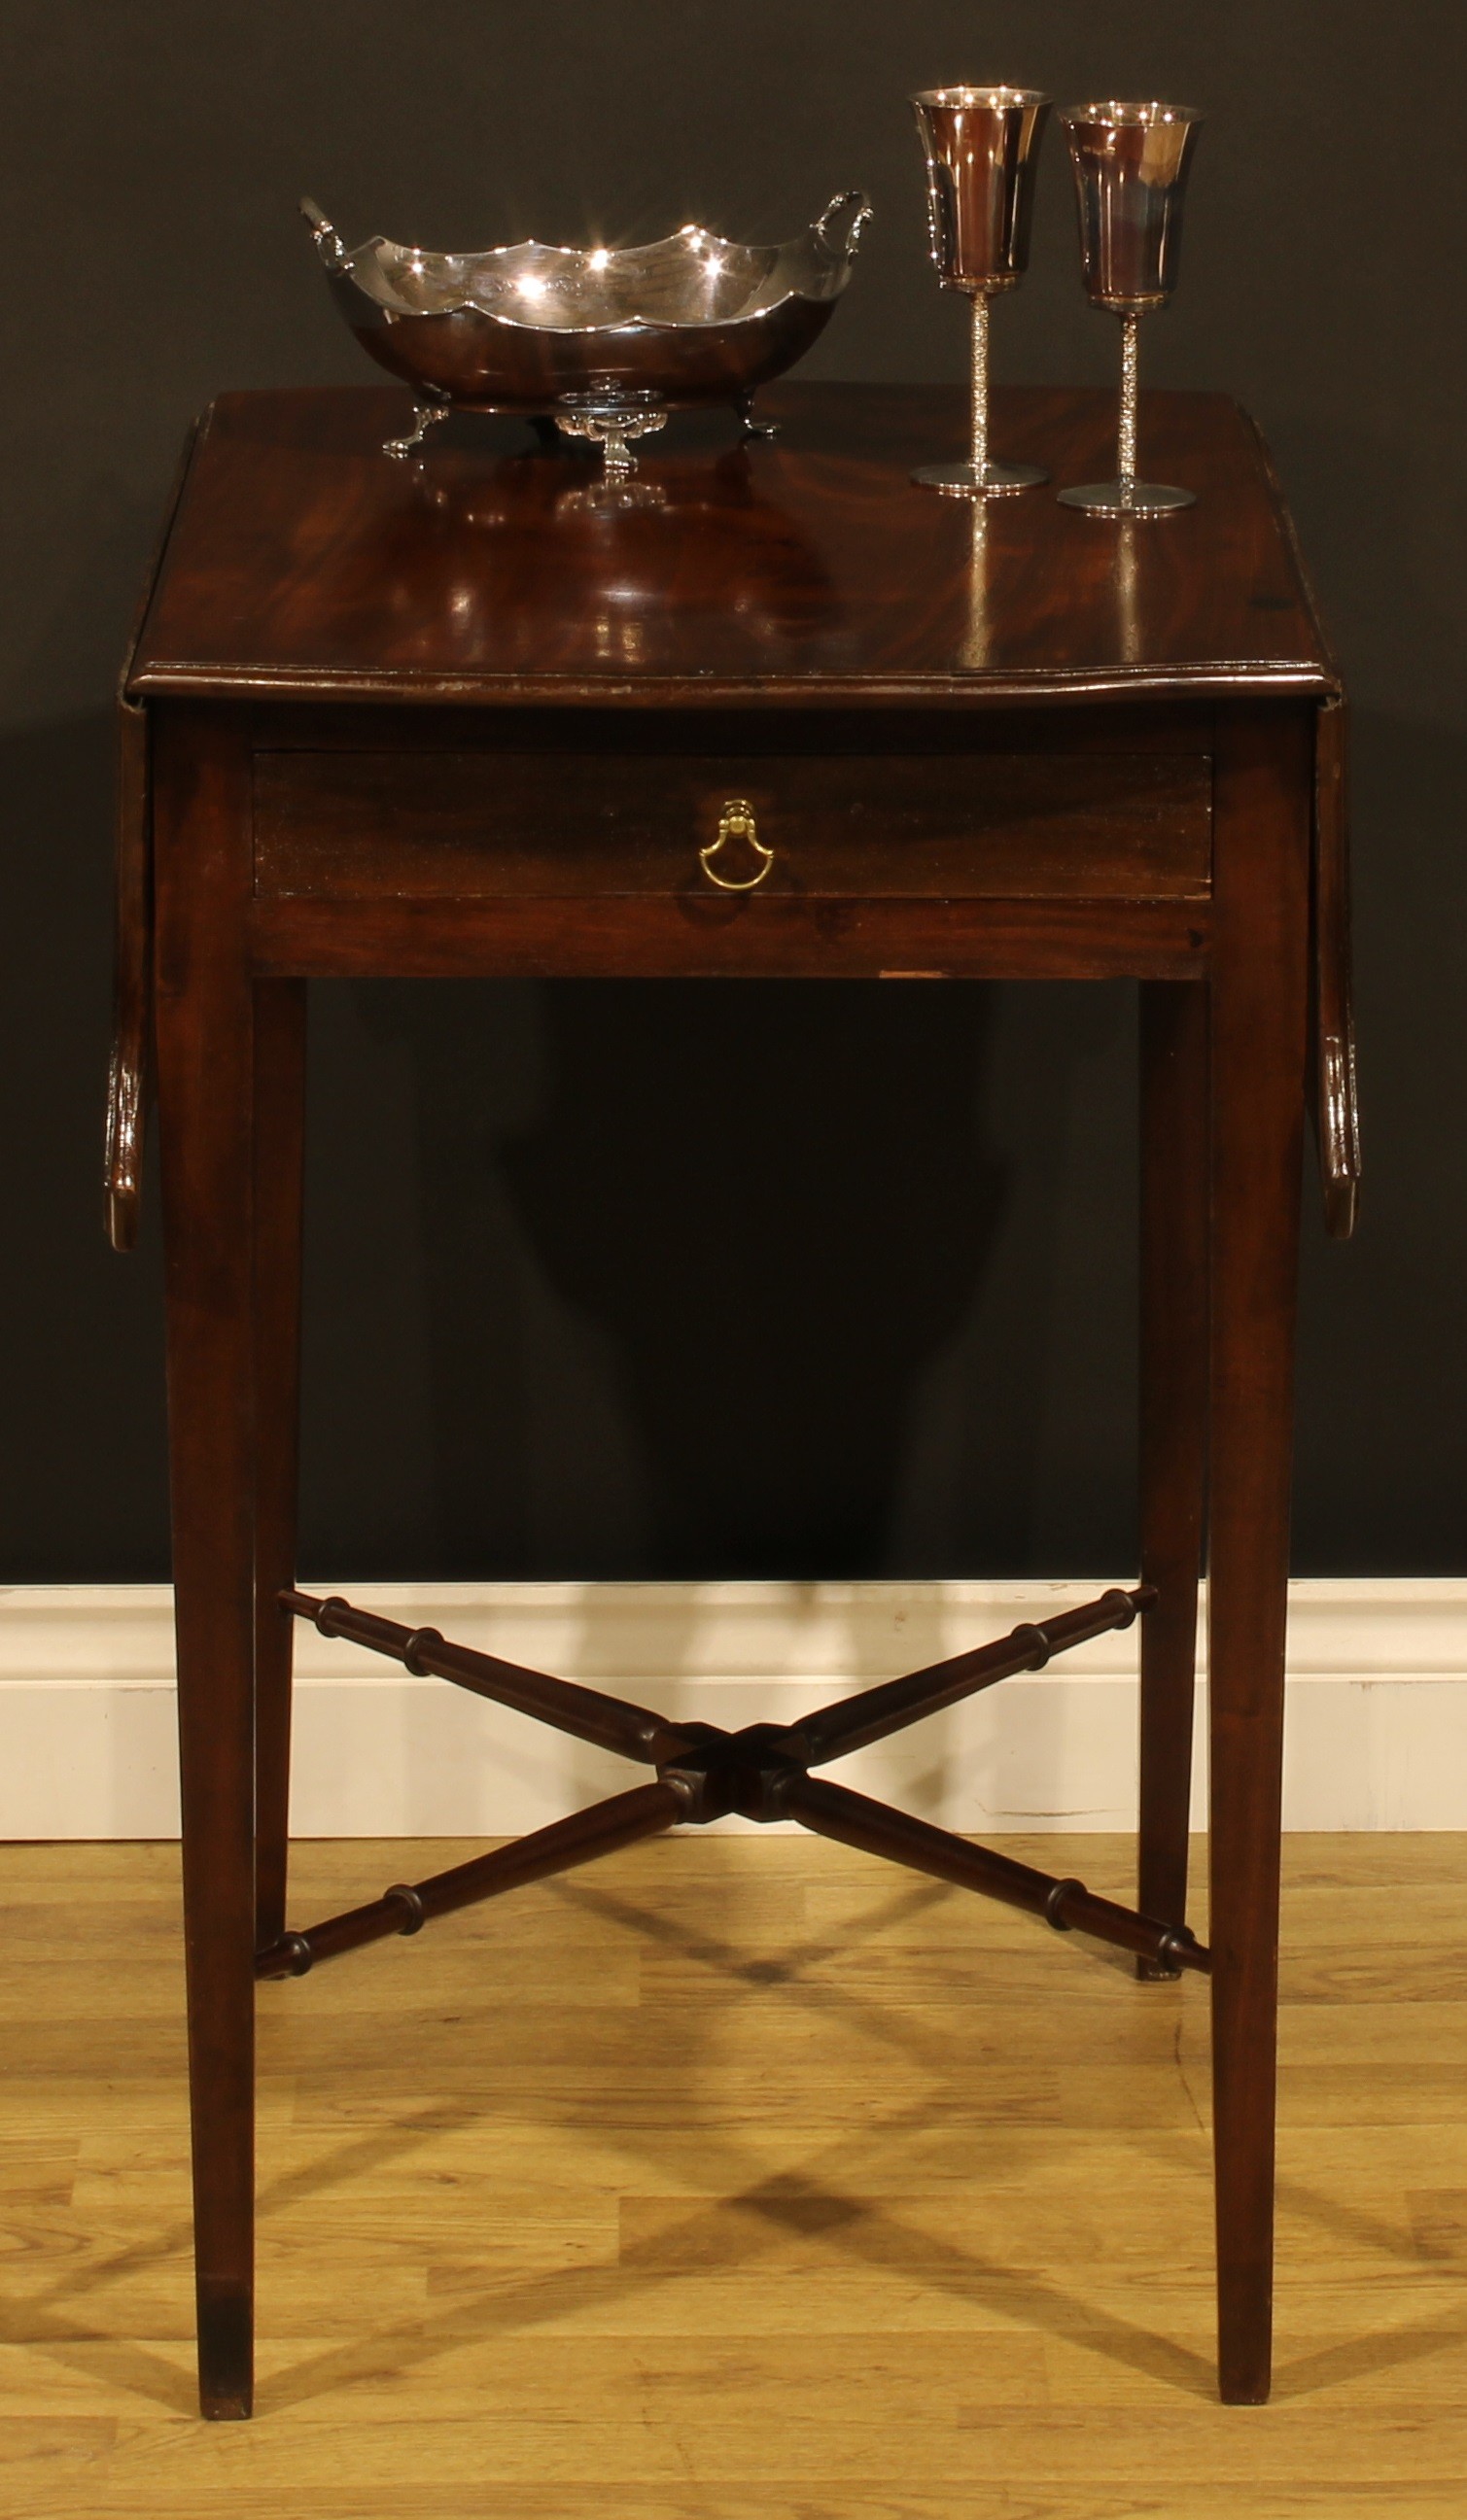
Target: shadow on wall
(772, 1202)
(702, 1265)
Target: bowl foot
(426, 415)
(766, 428)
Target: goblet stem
(980, 382)
(978, 478)
(1125, 462)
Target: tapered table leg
(279, 1184)
(1257, 1067)
(206, 1094)
(1174, 1425)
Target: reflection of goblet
(980, 144)
(974, 650)
(1130, 169)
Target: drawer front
(479, 825)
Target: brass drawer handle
(736, 823)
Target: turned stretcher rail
(611, 1723)
(705, 1772)
(854, 1723)
(406, 1906)
(874, 1828)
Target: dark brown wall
(753, 1280)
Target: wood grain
(718, 936)
(207, 1081)
(480, 825)
(306, 562)
(1174, 1258)
(1257, 1063)
(739, 2177)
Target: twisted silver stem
(980, 384)
(1126, 460)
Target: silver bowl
(525, 328)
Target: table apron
(773, 938)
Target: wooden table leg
(205, 1095)
(1174, 1426)
(1259, 993)
(279, 1183)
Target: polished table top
(302, 561)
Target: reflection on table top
(303, 561)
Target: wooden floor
(739, 2179)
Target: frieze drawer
(480, 824)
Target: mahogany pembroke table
(767, 711)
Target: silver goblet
(980, 144)
(1131, 167)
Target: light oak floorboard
(736, 2178)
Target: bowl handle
(839, 227)
(327, 243)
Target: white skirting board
(1376, 1737)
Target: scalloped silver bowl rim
(370, 268)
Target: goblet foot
(1127, 498)
(967, 480)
